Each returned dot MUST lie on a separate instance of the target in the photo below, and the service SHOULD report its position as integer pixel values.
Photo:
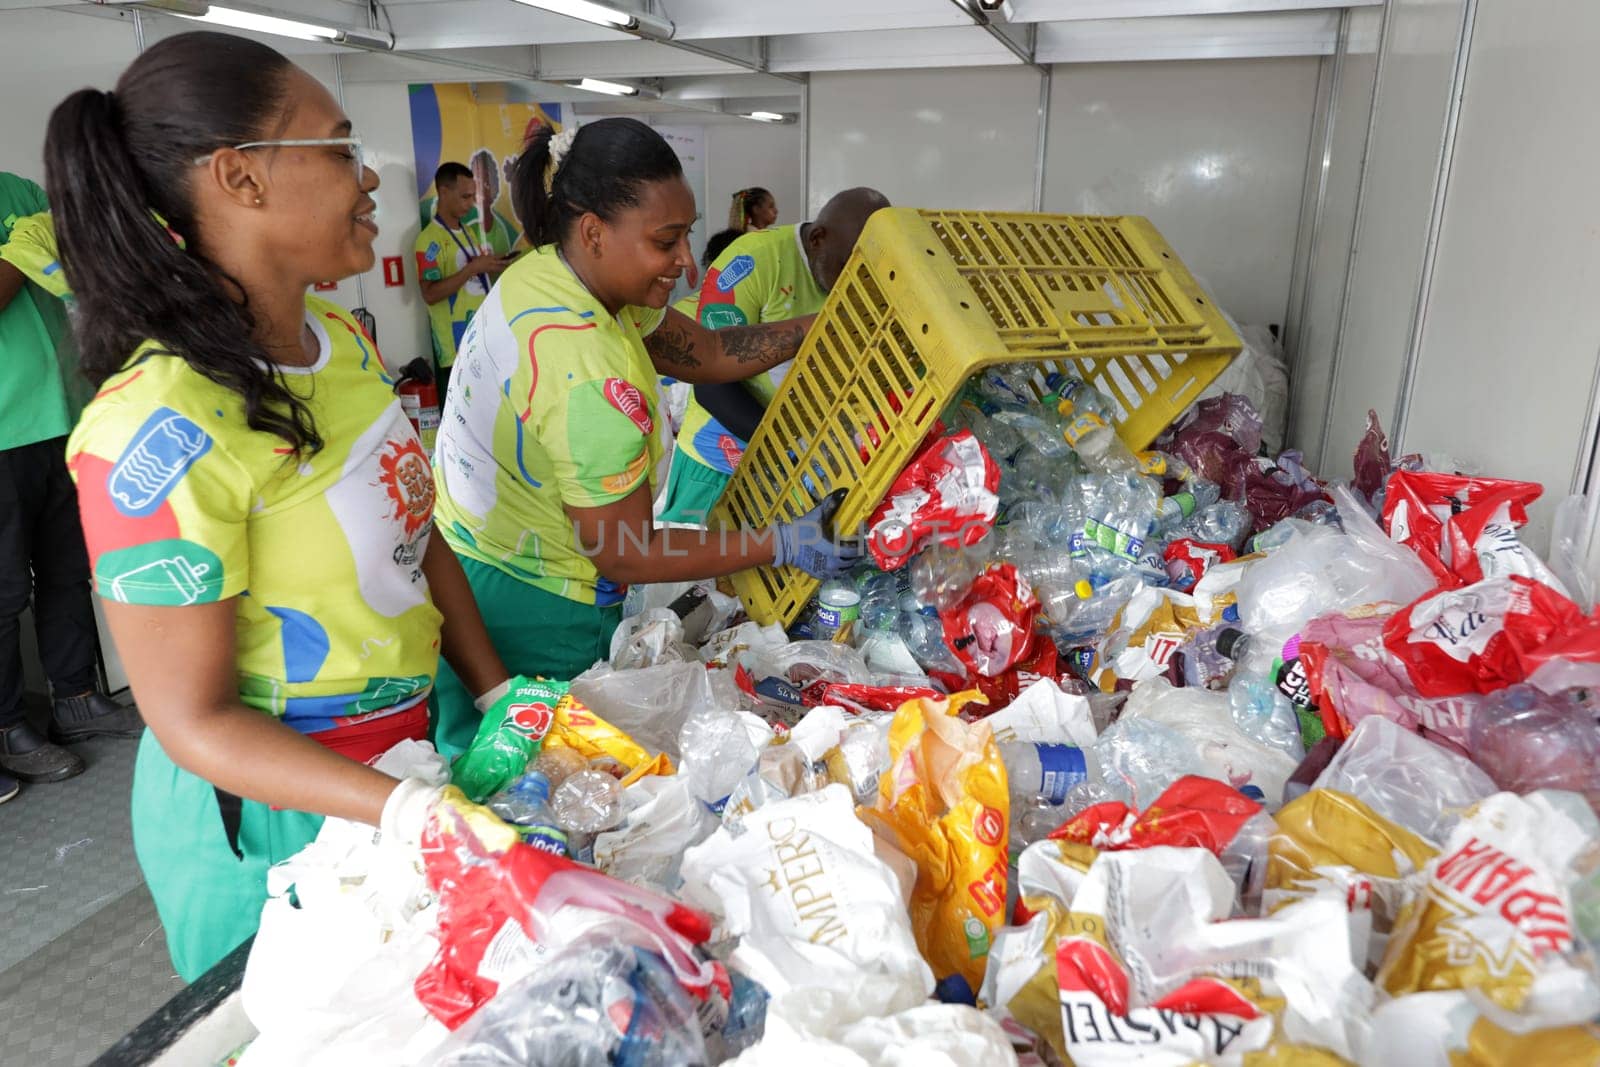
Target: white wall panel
(1213, 153)
(1507, 354)
(70, 52)
(958, 138)
(381, 114)
(739, 155)
(1402, 165)
(1313, 359)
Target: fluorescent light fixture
(767, 116)
(595, 85)
(634, 22)
(276, 25)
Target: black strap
(231, 808)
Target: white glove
(405, 813)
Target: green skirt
(205, 857)
(537, 633)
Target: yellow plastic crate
(927, 299)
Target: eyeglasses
(358, 159)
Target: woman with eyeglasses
(257, 507)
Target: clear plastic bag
(1406, 779)
(595, 1004)
(649, 639)
(1569, 550)
(649, 704)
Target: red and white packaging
(1463, 528)
(1480, 637)
(991, 630)
(948, 492)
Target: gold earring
(258, 201)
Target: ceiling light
(276, 25)
(767, 116)
(635, 22)
(595, 85)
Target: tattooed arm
(684, 349)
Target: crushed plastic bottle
(1040, 776)
(941, 576)
(588, 802)
(1178, 508)
(526, 806)
(558, 763)
(717, 754)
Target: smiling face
(637, 257)
(300, 214)
(456, 199)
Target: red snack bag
(947, 492)
(1480, 637)
(1444, 517)
(1194, 812)
(991, 630)
(1043, 662)
(860, 698)
(499, 906)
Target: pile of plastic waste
(1183, 756)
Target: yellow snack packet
(944, 803)
(577, 727)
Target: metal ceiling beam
(1023, 50)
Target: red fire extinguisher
(419, 399)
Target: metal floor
(82, 956)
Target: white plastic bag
(648, 639)
(663, 818)
(1044, 714)
(814, 909)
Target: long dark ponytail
(113, 159)
(601, 173)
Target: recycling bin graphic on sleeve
(157, 458)
(169, 573)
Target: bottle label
(835, 623)
(1293, 682)
(1077, 545)
(1185, 503)
(545, 838)
(1114, 540)
(1081, 426)
(1063, 767)
(1152, 464)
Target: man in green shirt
(42, 555)
(457, 261)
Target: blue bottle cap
(954, 989)
(1254, 793)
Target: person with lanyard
(545, 466)
(257, 507)
(771, 276)
(752, 209)
(455, 266)
(42, 556)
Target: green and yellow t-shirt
(38, 400)
(183, 503)
(553, 404)
(31, 248)
(442, 252)
(761, 277)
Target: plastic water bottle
(525, 805)
(923, 633)
(880, 600)
(1039, 777)
(587, 803)
(558, 763)
(1009, 383)
(1042, 429)
(1001, 441)
(716, 755)
(1223, 523)
(1121, 516)
(941, 576)
(1195, 497)
(838, 609)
